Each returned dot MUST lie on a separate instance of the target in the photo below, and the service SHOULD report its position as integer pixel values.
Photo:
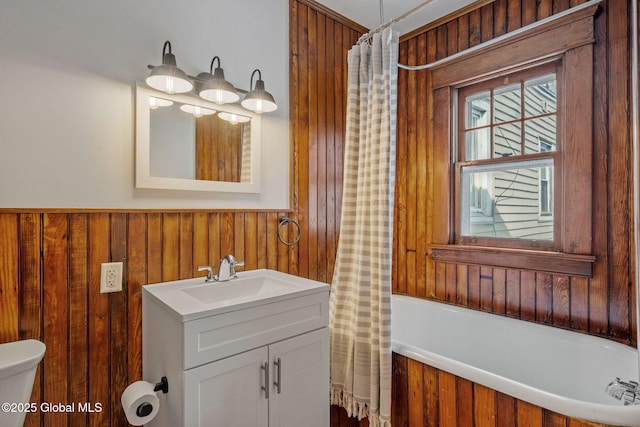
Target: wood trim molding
(552, 37)
(550, 262)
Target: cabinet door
(302, 366)
(228, 392)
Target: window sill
(550, 262)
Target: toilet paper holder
(163, 385)
(145, 408)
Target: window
(512, 150)
(507, 136)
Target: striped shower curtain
(360, 302)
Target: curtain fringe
(356, 408)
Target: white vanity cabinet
(244, 361)
(231, 391)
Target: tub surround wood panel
(426, 396)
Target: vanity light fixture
(155, 103)
(211, 85)
(215, 88)
(233, 118)
(168, 77)
(259, 100)
(196, 110)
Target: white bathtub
(563, 371)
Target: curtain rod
(505, 36)
(381, 27)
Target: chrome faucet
(226, 271)
(627, 392)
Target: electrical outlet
(110, 277)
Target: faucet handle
(210, 276)
(233, 263)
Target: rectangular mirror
(186, 143)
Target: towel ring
(284, 220)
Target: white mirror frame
(143, 176)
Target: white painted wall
(67, 90)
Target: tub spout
(627, 392)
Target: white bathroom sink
(194, 298)
(242, 287)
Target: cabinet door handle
(278, 383)
(265, 387)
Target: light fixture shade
(233, 118)
(168, 77)
(218, 90)
(259, 100)
(196, 110)
(155, 103)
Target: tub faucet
(627, 392)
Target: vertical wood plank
(200, 242)
(598, 284)
(416, 391)
(251, 241)
(154, 247)
(465, 402)
(400, 390)
(579, 311)
(399, 219)
(618, 204)
(227, 235)
(474, 287)
(484, 408)
(430, 380)
(9, 252)
(272, 240)
(528, 295)
(215, 253)
(528, 415)
(118, 333)
(30, 288)
(551, 419)
(170, 242)
(187, 266)
(448, 406)
(55, 316)
(505, 410)
(513, 15)
(78, 312)
(499, 290)
(486, 291)
(451, 285)
(544, 298)
(136, 277)
(99, 320)
(321, 159)
(238, 231)
(561, 301)
(512, 289)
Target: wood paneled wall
(601, 305)
(50, 260)
(50, 282)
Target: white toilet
(18, 363)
